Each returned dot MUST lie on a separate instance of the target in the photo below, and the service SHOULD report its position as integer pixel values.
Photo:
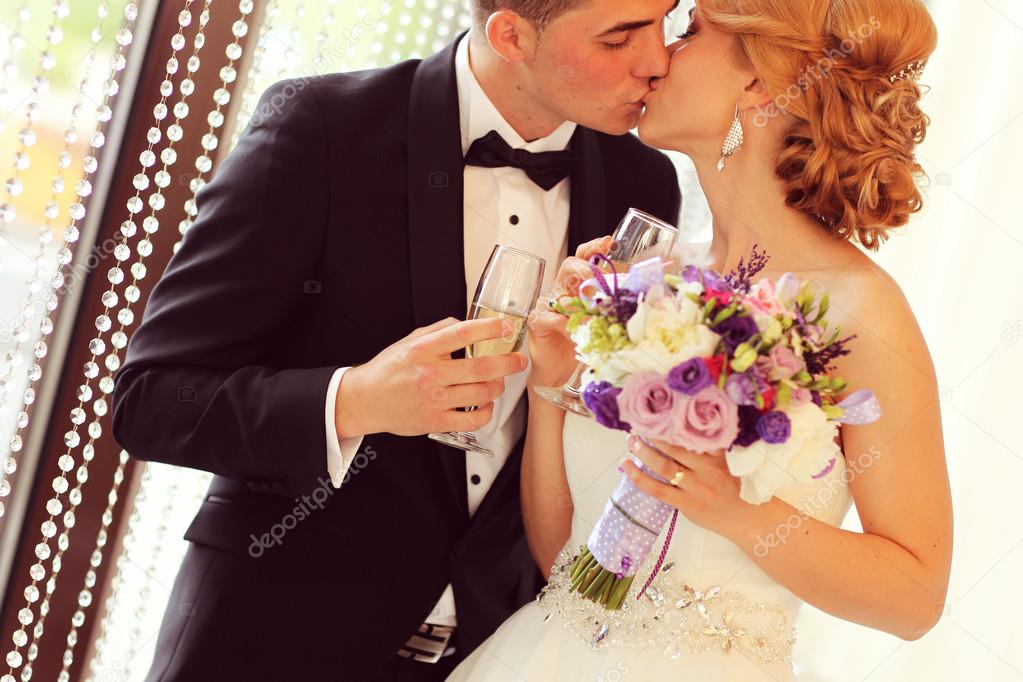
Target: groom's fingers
(466, 395)
(429, 329)
(468, 421)
(486, 368)
(448, 339)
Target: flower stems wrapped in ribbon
(710, 363)
(622, 538)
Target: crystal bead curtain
(292, 40)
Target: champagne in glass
(511, 343)
(639, 236)
(508, 288)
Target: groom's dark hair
(538, 12)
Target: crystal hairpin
(911, 71)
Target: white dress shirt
(501, 206)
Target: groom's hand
(414, 386)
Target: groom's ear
(755, 95)
(511, 36)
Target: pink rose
(706, 421)
(786, 363)
(646, 403)
(781, 363)
(761, 299)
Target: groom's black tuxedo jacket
(333, 229)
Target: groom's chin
(623, 123)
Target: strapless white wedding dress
(711, 614)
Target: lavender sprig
(621, 303)
(818, 362)
(741, 278)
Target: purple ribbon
(861, 407)
(630, 523)
(645, 274)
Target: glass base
(565, 398)
(462, 440)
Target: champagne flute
(639, 236)
(508, 289)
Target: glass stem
(574, 383)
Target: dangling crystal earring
(733, 141)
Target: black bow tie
(546, 169)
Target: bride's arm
(894, 575)
(546, 500)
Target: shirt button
(475, 479)
(514, 219)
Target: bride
(825, 93)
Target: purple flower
(748, 418)
(621, 306)
(735, 330)
(774, 427)
(690, 273)
(601, 398)
(690, 376)
(709, 278)
(741, 388)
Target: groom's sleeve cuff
(340, 452)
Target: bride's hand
(550, 347)
(707, 494)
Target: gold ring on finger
(679, 475)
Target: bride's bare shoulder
(867, 302)
(866, 291)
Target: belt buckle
(428, 644)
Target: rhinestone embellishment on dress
(673, 616)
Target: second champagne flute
(639, 236)
(508, 288)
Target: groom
(299, 344)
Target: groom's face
(593, 64)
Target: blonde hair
(848, 157)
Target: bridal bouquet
(706, 362)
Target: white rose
(766, 468)
(618, 366)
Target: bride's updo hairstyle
(844, 71)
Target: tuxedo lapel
(587, 216)
(435, 168)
